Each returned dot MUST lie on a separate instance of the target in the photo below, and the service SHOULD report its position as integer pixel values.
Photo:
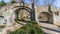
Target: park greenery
(2, 3)
(29, 28)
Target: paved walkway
(50, 28)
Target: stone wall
(9, 13)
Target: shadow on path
(51, 29)
(46, 22)
(45, 33)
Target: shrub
(29, 28)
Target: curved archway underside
(44, 16)
(22, 9)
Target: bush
(29, 28)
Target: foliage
(13, 1)
(18, 21)
(2, 3)
(29, 28)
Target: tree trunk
(33, 12)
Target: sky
(6, 0)
(40, 2)
(56, 3)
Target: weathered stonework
(9, 14)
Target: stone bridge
(10, 12)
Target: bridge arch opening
(44, 16)
(23, 13)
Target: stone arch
(44, 16)
(22, 8)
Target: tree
(13, 1)
(2, 3)
(33, 11)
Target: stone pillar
(36, 14)
(51, 14)
(56, 20)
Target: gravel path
(50, 28)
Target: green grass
(29, 28)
